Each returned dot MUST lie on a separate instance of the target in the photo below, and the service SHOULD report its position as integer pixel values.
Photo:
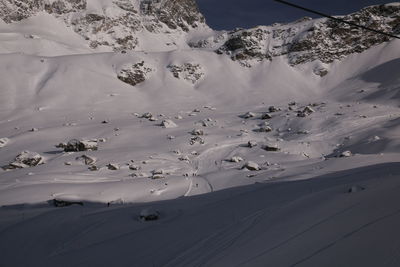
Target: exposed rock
(346, 154)
(356, 189)
(25, 159)
(134, 167)
(303, 132)
(248, 115)
(118, 23)
(65, 203)
(4, 141)
(93, 168)
(305, 112)
(266, 116)
(308, 40)
(188, 71)
(197, 132)
(75, 145)
(168, 124)
(251, 143)
(271, 147)
(134, 74)
(158, 174)
(251, 166)
(88, 160)
(236, 159)
(320, 71)
(113, 166)
(184, 158)
(146, 115)
(196, 139)
(264, 129)
(149, 214)
(273, 109)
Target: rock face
(308, 40)
(183, 14)
(189, 71)
(118, 23)
(122, 24)
(16, 10)
(134, 74)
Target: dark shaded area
(387, 75)
(229, 14)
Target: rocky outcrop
(308, 40)
(176, 14)
(118, 23)
(16, 10)
(190, 72)
(134, 74)
(25, 159)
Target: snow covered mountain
(258, 144)
(120, 24)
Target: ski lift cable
(337, 19)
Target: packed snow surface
(231, 165)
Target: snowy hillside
(248, 146)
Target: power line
(337, 19)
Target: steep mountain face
(118, 24)
(308, 40)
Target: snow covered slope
(115, 25)
(242, 139)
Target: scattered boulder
(4, 141)
(197, 132)
(320, 71)
(113, 166)
(251, 166)
(271, 147)
(88, 160)
(264, 129)
(75, 145)
(355, 189)
(236, 159)
(273, 109)
(303, 132)
(146, 115)
(251, 143)
(346, 154)
(196, 139)
(158, 171)
(158, 174)
(25, 159)
(248, 115)
(93, 168)
(305, 112)
(134, 167)
(266, 116)
(149, 214)
(184, 158)
(168, 124)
